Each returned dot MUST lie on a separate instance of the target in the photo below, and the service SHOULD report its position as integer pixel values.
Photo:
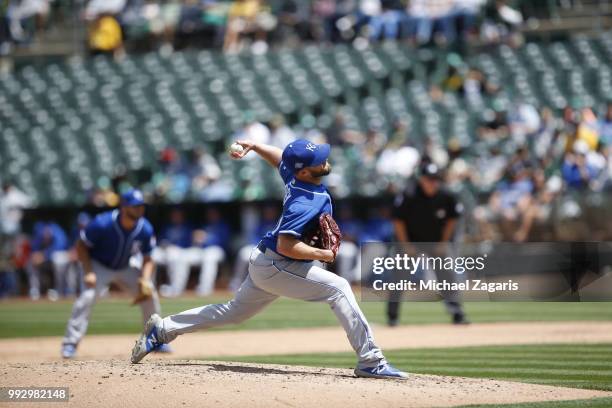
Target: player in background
(104, 250)
(175, 249)
(427, 213)
(49, 249)
(283, 265)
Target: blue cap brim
(321, 154)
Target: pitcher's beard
(322, 173)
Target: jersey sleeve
(455, 208)
(295, 219)
(91, 234)
(285, 173)
(148, 240)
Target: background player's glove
(326, 235)
(145, 291)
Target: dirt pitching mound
(195, 383)
(214, 344)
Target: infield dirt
(102, 376)
(163, 384)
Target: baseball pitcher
(283, 263)
(104, 250)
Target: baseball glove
(145, 291)
(325, 235)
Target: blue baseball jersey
(217, 234)
(49, 238)
(179, 235)
(303, 204)
(111, 245)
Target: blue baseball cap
(132, 198)
(303, 153)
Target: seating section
(64, 125)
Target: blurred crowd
(509, 179)
(555, 151)
(114, 25)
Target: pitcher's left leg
(306, 281)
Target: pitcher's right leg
(249, 301)
(81, 310)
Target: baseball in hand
(236, 148)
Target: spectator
(190, 19)
(25, 18)
(588, 129)
(12, 203)
(337, 26)
(294, 22)
(49, 250)
(459, 170)
(97, 8)
(5, 33)
(213, 238)
(501, 21)
(545, 191)
(547, 142)
(103, 195)
(509, 204)
(203, 170)
(386, 24)
(375, 141)
(467, 13)
(474, 87)
(397, 158)
(605, 127)
(489, 169)
(494, 124)
(523, 122)
(248, 17)
(252, 130)
(428, 15)
(105, 36)
(577, 171)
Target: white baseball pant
(126, 278)
(60, 261)
(270, 276)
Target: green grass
(114, 316)
(590, 403)
(586, 366)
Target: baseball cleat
(148, 340)
(385, 371)
(68, 350)
(459, 318)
